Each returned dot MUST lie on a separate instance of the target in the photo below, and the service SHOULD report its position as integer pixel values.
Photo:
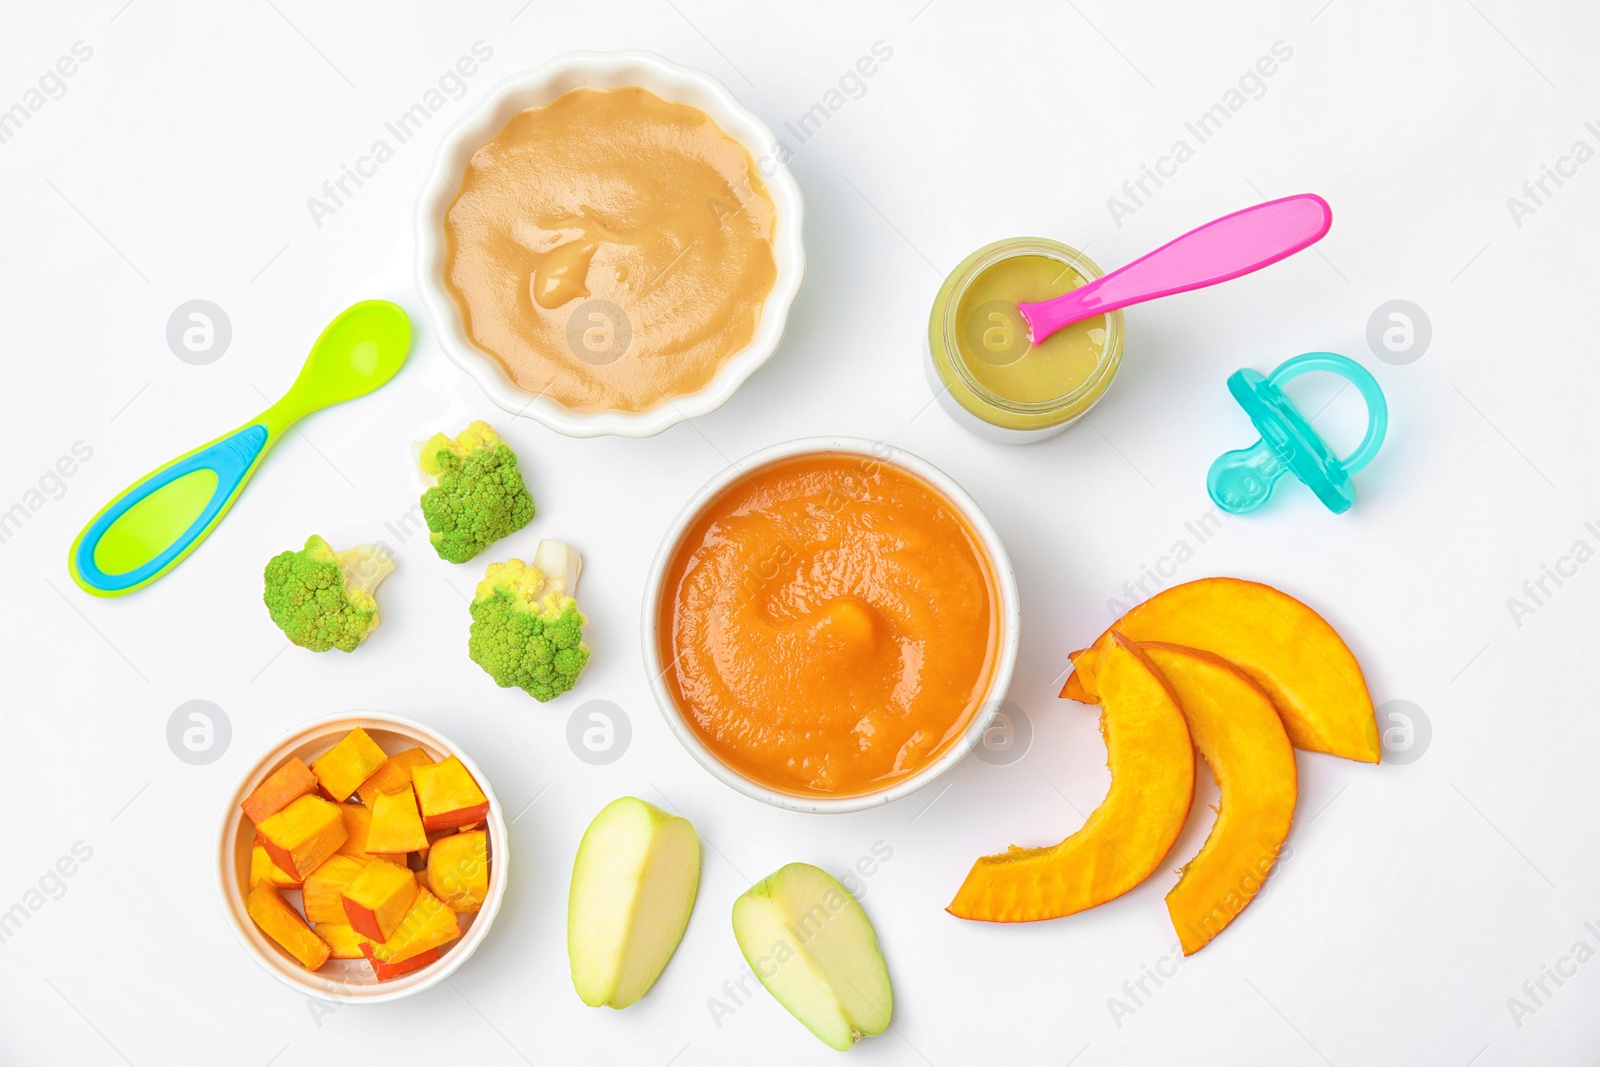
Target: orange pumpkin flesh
(1237, 730)
(1128, 835)
(1284, 646)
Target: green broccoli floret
(527, 630)
(477, 497)
(322, 599)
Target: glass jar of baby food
(982, 366)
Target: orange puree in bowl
(611, 249)
(830, 622)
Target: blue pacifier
(1242, 480)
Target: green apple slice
(633, 887)
(814, 949)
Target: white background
(1417, 899)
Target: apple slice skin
(810, 943)
(1128, 835)
(1285, 647)
(1237, 729)
(634, 883)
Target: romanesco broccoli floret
(527, 630)
(322, 599)
(478, 495)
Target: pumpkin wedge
(1128, 835)
(1284, 646)
(1236, 728)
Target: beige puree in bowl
(611, 249)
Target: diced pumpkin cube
(378, 899)
(396, 825)
(429, 924)
(447, 795)
(346, 765)
(458, 870)
(262, 869)
(356, 821)
(293, 779)
(421, 854)
(322, 895)
(283, 924)
(386, 971)
(302, 835)
(342, 939)
(395, 773)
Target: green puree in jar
(983, 369)
(992, 337)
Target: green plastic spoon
(151, 526)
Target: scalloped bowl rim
(272, 958)
(540, 85)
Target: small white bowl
(1005, 579)
(351, 980)
(606, 70)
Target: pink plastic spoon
(1219, 251)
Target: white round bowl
(351, 980)
(1005, 580)
(606, 70)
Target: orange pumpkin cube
(283, 924)
(393, 775)
(356, 821)
(396, 825)
(429, 924)
(378, 899)
(421, 854)
(322, 895)
(293, 779)
(447, 795)
(342, 939)
(302, 835)
(262, 869)
(386, 971)
(458, 870)
(346, 765)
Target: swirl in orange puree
(611, 249)
(831, 625)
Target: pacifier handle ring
(1356, 375)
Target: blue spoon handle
(160, 519)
